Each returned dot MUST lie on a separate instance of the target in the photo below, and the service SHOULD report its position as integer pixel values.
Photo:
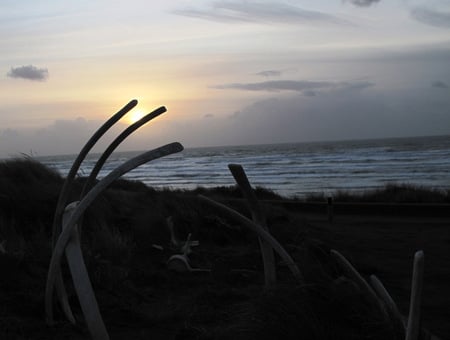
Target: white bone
(260, 232)
(81, 281)
(413, 327)
(258, 217)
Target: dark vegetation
(391, 193)
(126, 245)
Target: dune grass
(390, 193)
(126, 245)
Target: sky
(229, 72)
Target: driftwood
(258, 217)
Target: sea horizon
(291, 169)
(36, 155)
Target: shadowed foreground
(126, 245)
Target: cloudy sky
(228, 71)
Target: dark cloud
(29, 72)
(439, 84)
(208, 115)
(307, 87)
(259, 12)
(270, 73)
(431, 17)
(9, 133)
(364, 3)
(334, 116)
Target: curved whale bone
(81, 281)
(115, 143)
(413, 327)
(65, 190)
(258, 217)
(110, 149)
(383, 294)
(63, 197)
(260, 232)
(66, 234)
(61, 293)
(386, 297)
(353, 274)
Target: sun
(134, 115)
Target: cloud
(307, 87)
(29, 72)
(9, 133)
(269, 73)
(431, 17)
(439, 84)
(258, 12)
(364, 3)
(62, 136)
(333, 116)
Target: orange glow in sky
(228, 71)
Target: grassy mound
(126, 244)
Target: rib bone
(389, 302)
(258, 217)
(114, 144)
(260, 232)
(81, 280)
(84, 204)
(62, 202)
(353, 274)
(413, 328)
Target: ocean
(292, 170)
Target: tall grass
(390, 193)
(130, 276)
